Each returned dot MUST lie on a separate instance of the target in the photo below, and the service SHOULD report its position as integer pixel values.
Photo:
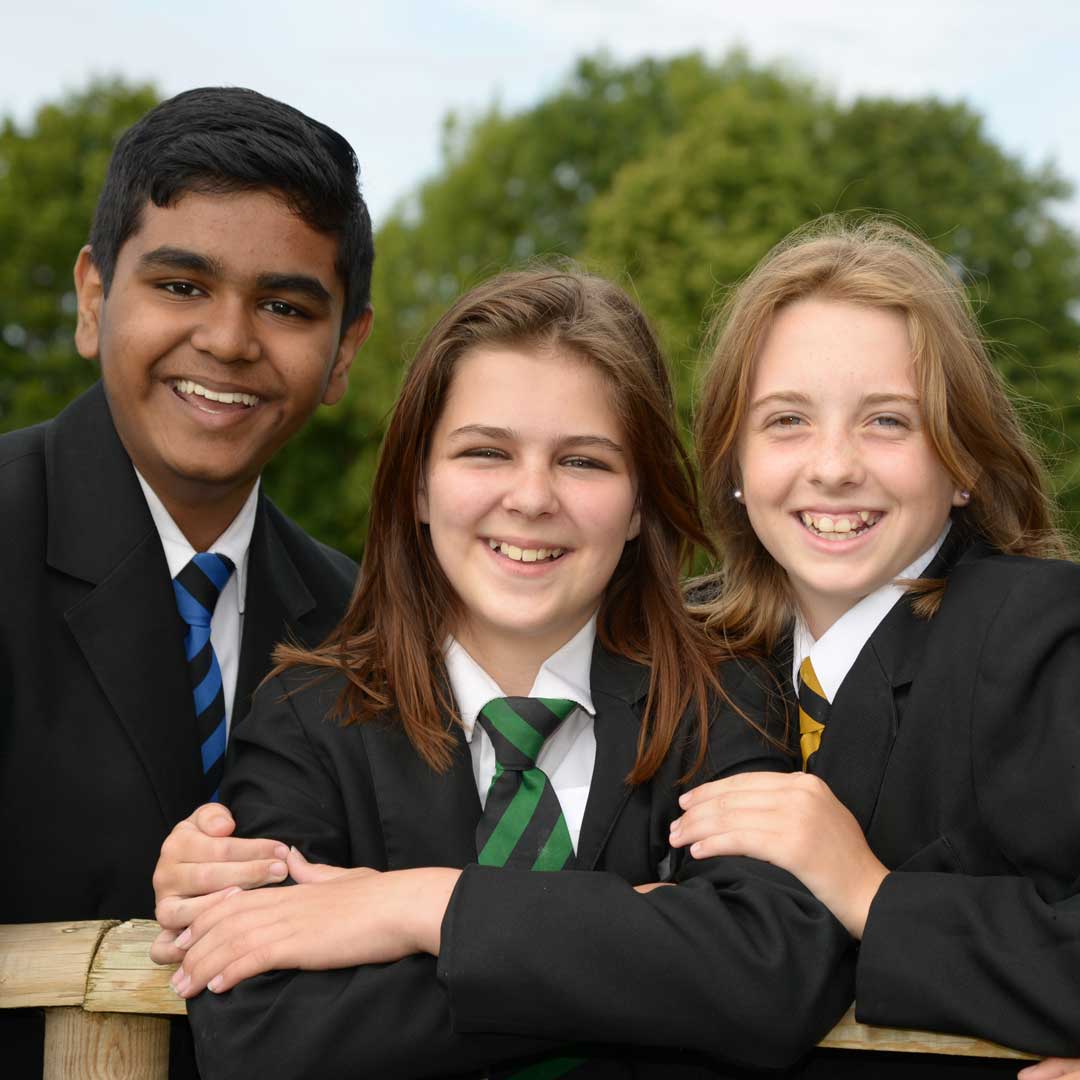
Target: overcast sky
(385, 72)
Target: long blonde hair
(970, 421)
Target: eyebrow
(174, 258)
(793, 397)
(508, 434)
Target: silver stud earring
(736, 494)
(965, 495)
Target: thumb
(307, 873)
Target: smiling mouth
(836, 527)
(191, 390)
(530, 555)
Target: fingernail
(184, 940)
(695, 850)
(281, 852)
(214, 984)
(278, 869)
(177, 978)
(219, 822)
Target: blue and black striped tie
(197, 589)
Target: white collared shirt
(569, 755)
(227, 623)
(835, 652)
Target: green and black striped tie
(523, 825)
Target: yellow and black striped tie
(813, 711)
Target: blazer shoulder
(993, 582)
(22, 463)
(318, 562)
(310, 693)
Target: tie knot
(199, 585)
(519, 726)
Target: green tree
(50, 176)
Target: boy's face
(218, 338)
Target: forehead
(551, 388)
(246, 234)
(832, 345)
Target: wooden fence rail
(106, 1003)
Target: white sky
(386, 73)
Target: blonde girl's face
(529, 495)
(840, 481)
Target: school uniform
(955, 742)
(99, 754)
(737, 963)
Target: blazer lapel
(618, 686)
(276, 598)
(428, 818)
(864, 720)
(127, 625)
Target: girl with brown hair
(516, 687)
(886, 530)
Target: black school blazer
(739, 962)
(956, 743)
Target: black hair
(221, 139)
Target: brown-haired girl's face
(840, 480)
(529, 495)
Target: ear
(635, 524)
(90, 294)
(961, 497)
(356, 333)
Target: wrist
(855, 920)
(430, 891)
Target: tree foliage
(674, 176)
(50, 176)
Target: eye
(183, 289)
(889, 423)
(285, 310)
(788, 420)
(484, 453)
(577, 461)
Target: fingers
(213, 819)
(304, 872)
(164, 951)
(1052, 1069)
(176, 914)
(751, 781)
(720, 813)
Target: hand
(1053, 1069)
(341, 918)
(794, 821)
(200, 862)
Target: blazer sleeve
(998, 955)
(737, 961)
(386, 1020)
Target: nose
(228, 332)
(531, 491)
(836, 462)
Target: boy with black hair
(146, 577)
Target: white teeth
(839, 528)
(187, 386)
(524, 554)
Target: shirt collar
(234, 542)
(564, 674)
(835, 652)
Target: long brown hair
(970, 420)
(390, 643)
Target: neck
(203, 516)
(512, 662)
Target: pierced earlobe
(736, 494)
(965, 496)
